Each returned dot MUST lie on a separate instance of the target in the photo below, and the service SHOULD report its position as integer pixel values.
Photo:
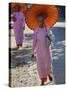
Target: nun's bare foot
(50, 78)
(43, 80)
(17, 47)
(45, 83)
(42, 83)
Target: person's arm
(34, 41)
(23, 22)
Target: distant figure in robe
(19, 26)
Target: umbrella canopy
(23, 7)
(50, 13)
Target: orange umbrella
(49, 11)
(23, 7)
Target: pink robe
(43, 54)
(18, 26)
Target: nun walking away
(43, 53)
(19, 26)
